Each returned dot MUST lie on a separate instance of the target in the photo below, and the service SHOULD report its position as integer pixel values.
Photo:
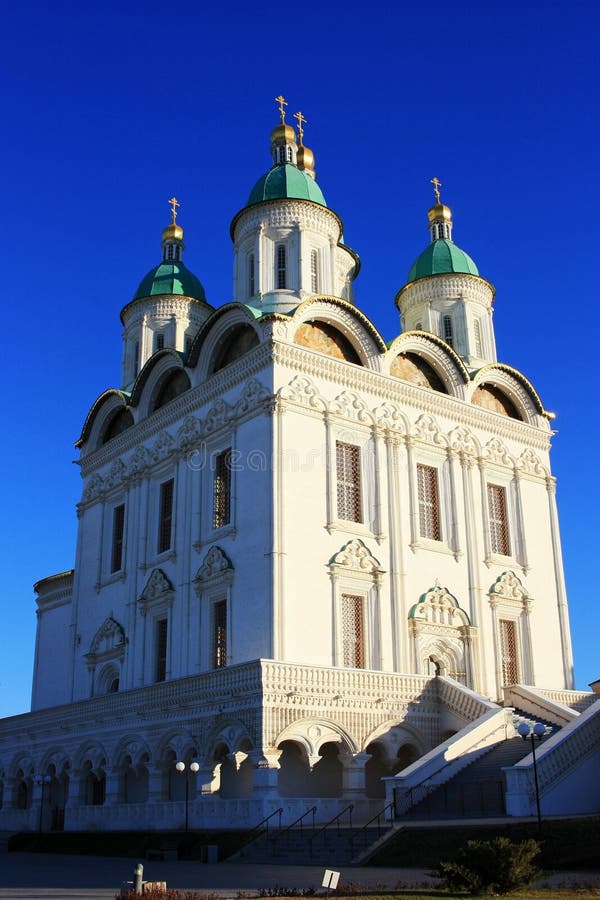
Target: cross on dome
(282, 104)
(301, 121)
(174, 202)
(436, 188)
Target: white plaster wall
(53, 651)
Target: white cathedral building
(324, 568)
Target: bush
(491, 867)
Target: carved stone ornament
(217, 416)
(116, 475)
(351, 406)
(439, 607)
(93, 488)
(426, 429)
(302, 391)
(163, 447)
(496, 452)
(189, 434)
(252, 395)
(509, 587)
(388, 415)
(108, 640)
(138, 463)
(462, 440)
(157, 586)
(529, 462)
(355, 555)
(216, 563)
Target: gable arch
(434, 353)
(211, 335)
(506, 382)
(345, 319)
(152, 378)
(109, 404)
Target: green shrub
(491, 867)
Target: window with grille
(165, 516)
(477, 333)
(161, 650)
(349, 501)
(116, 557)
(281, 266)
(314, 271)
(429, 502)
(188, 344)
(353, 642)
(170, 251)
(448, 331)
(136, 357)
(159, 342)
(220, 634)
(508, 651)
(497, 512)
(222, 489)
(251, 280)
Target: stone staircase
(330, 847)
(478, 789)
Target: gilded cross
(174, 204)
(436, 188)
(282, 104)
(301, 121)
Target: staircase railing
(299, 820)
(256, 831)
(335, 821)
(362, 832)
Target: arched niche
(488, 396)
(413, 368)
(116, 424)
(234, 344)
(172, 386)
(327, 339)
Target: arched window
(159, 341)
(477, 334)
(288, 154)
(170, 251)
(447, 330)
(314, 271)
(281, 279)
(251, 279)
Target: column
(561, 593)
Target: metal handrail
(366, 825)
(265, 821)
(347, 809)
(281, 831)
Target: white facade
(304, 558)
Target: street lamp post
(42, 781)
(535, 733)
(191, 770)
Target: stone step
(296, 847)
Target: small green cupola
(292, 175)
(442, 256)
(170, 276)
(445, 295)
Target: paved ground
(40, 876)
(32, 876)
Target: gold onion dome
(306, 159)
(173, 232)
(439, 213)
(283, 133)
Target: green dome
(442, 257)
(286, 181)
(170, 278)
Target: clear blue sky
(110, 109)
